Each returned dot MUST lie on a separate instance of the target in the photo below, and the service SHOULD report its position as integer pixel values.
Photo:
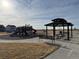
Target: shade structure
(60, 22)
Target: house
(10, 28)
(2, 28)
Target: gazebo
(60, 22)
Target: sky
(38, 12)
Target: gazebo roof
(59, 22)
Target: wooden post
(53, 32)
(63, 29)
(46, 32)
(68, 32)
(71, 32)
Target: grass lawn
(25, 50)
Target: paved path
(67, 51)
(63, 53)
(31, 40)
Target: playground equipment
(24, 31)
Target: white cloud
(39, 12)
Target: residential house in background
(2, 28)
(10, 28)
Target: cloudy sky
(38, 12)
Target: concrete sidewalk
(67, 51)
(64, 53)
(31, 40)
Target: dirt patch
(25, 50)
(4, 33)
